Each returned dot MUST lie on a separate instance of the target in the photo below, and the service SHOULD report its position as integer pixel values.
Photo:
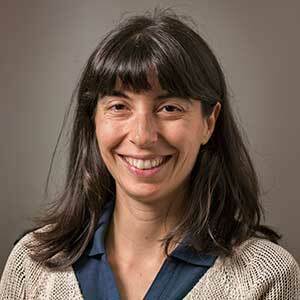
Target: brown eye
(172, 108)
(117, 107)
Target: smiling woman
(161, 199)
(137, 140)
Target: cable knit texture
(257, 269)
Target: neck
(136, 228)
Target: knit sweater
(257, 269)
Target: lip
(145, 173)
(144, 157)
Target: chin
(144, 194)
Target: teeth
(144, 164)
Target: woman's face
(149, 141)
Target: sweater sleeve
(269, 273)
(280, 279)
(13, 279)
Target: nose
(144, 131)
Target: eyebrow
(120, 94)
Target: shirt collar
(182, 251)
(97, 246)
(189, 255)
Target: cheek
(108, 135)
(186, 138)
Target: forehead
(152, 78)
(152, 89)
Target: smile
(145, 164)
(145, 167)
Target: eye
(117, 107)
(172, 108)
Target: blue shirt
(175, 279)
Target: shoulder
(256, 269)
(17, 267)
(263, 255)
(20, 254)
(264, 268)
(20, 251)
(21, 272)
(24, 278)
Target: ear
(211, 122)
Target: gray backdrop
(44, 45)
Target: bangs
(164, 47)
(131, 59)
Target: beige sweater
(258, 269)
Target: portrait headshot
(149, 151)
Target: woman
(161, 199)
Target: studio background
(45, 44)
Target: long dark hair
(223, 206)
